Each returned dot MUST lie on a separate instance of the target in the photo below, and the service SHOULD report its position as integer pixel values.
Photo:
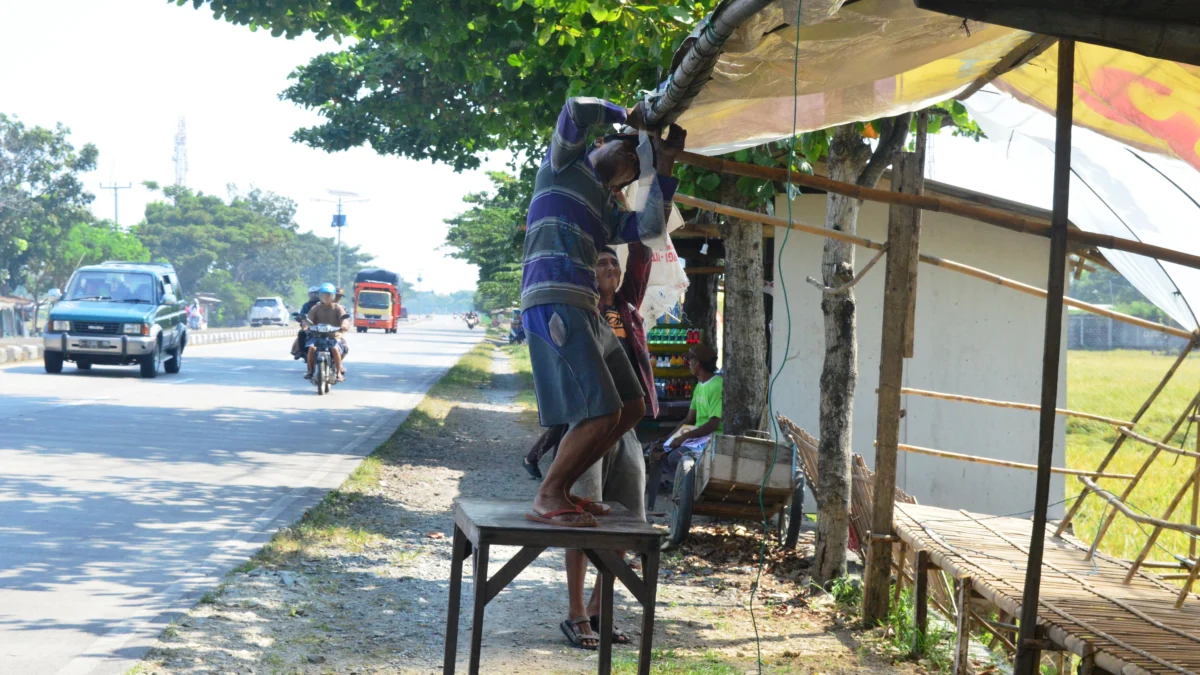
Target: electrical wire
(762, 549)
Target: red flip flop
(549, 518)
(589, 506)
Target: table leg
(650, 579)
(481, 570)
(606, 619)
(458, 554)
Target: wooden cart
(726, 481)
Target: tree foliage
(41, 198)
(239, 248)
(490, 234)
(449, 81)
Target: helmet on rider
(312, 293)
(327, 292)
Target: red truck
(376, 300)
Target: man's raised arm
(570, 134)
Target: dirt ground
(360, 585)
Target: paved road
(122, 499)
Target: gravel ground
(360, 585)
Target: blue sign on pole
(339, 220)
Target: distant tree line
(237, 248)
(1105, 287)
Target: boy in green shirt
(705, 411)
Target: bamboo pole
(1009, 404)
(1007, 464)
(1165, 523)
(1112, 452)
(1108, 519)
(1145, 520)
(734, 212)
(959, 207)
(1161, 446)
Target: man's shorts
(620, 477)
(580, 370)
(341, 343)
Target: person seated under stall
(704, 412)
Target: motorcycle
(324, 373)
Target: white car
(267, 311)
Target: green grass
(519, 355)
(668, 662)
(1115, 384)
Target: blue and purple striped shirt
(572, 214)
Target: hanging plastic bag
(668, 279)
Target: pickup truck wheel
(151, 362)
(53, 362)
(83, 365)
(175, 361)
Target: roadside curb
(24, 353)
(239, 336)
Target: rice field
(1115, 384)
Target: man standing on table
(582, 375)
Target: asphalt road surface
(122, 500)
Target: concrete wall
(972, 338)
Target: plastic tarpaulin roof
(877, 58)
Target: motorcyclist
(302, 335)
(328, 311)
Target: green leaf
(741, 156)
(546, 33)
(599, 13)
(710, 182)
(678, 13)
(515, 60)
(935, 124)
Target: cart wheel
(795, 516)
(679, 511)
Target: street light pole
(339, 221)
(116, 203)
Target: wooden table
(482, 523)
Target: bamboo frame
(1108, 520)
(1161, 446)
(1112, 452)
(1010, 404)
(1164, 523)
(1119, 504)
(959, 207)
(1007, 464)
(776, 221)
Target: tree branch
(890, 141)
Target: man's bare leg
(630, 414)
(337, 360)
(574, 457)
(312, 359)
(577, 565)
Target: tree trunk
(745, 369)
(839, 375)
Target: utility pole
(339, 221)
(115, 188)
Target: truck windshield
(111, 287)
(266, 302)
(374, 300)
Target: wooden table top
(503, 522)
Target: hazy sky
(120, 74)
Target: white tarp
(1115, 190)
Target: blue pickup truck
(118, 314)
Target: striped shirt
(572, 214)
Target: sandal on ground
(563, 517)
(531, 469)
(589, 506)
(618, 636)
(577, 639)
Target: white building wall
(972, 337)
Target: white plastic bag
(668, 280)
